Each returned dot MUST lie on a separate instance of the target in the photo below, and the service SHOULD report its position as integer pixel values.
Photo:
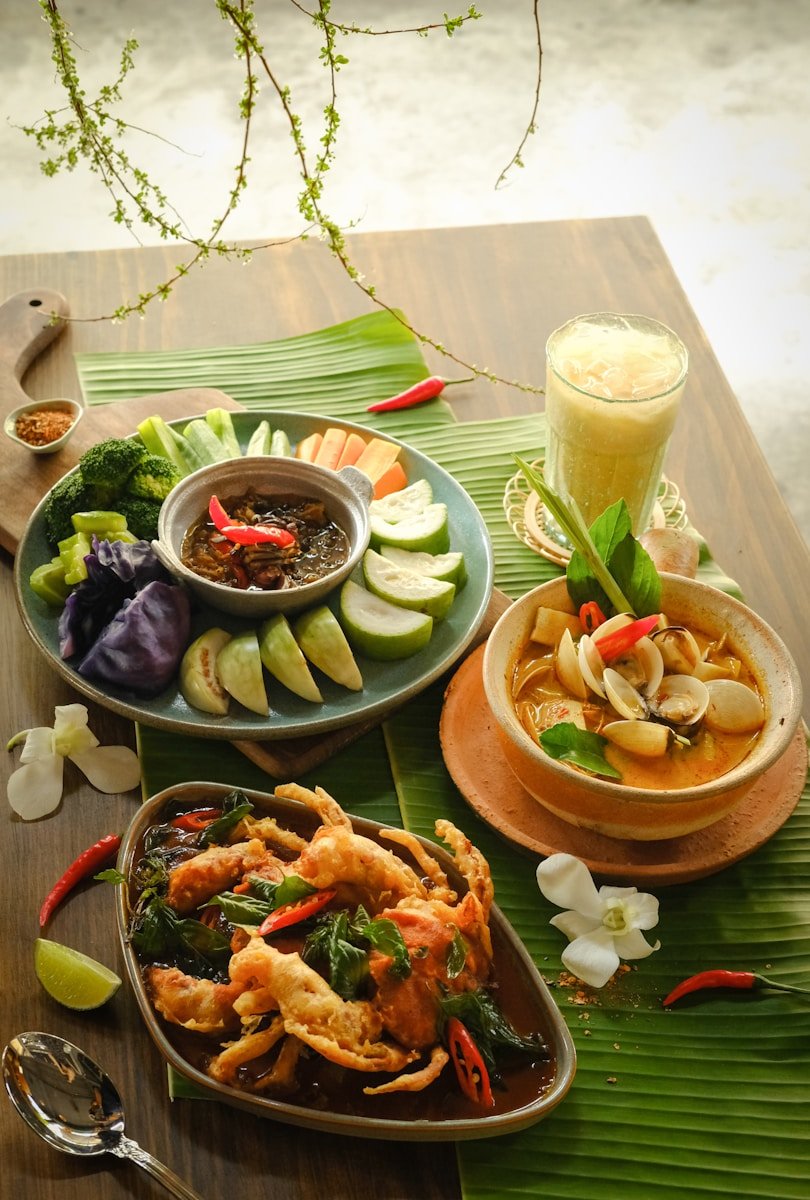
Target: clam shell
(566, 664)
(643, 738)
(623, 697)
(680, 702)
(733, 707)
(642, 666)
(591, 665)
(679, 650)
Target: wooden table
(491, 295)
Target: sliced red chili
(591, 616)
(193, 822)
(300, 910)
(255, 535)
(425, 389)
(86, 864)
(621, 640)
(471, 1070)
(246, 535)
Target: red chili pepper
(471, 1070)
(194, 822)
(426, 389)
(591, 616)
(87, 863)
(291, 914)
(619, 642)
(744, 980)
(247, 535)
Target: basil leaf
(235, 806)
(329, 946)
(386, 937)
(491, 1031)
(456, 955)
(291, 888)
(111, 875)
(241, 909)
(627, 561)
(566, 742)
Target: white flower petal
(634, 945)
(109, 768)
(70, 730)
(35, 789)
(566, 882)
(592, 958)
(573, 924)
(644, 911)
(38, 744)
(608, 892)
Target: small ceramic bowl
(346, 494)
(646, 814)
(72, 407)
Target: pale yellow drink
(613, 387)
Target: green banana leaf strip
(705, 1100)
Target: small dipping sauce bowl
(34, 425)
(345, 494)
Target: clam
(643, 738)
(733, 707)
(566, 664)
(591, 664)
(680, 702)
(679, 650)
(623, 697)
(642, 666)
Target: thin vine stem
(85, 135)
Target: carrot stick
(330, 448)
(352, 449)
(309, 447)
(392, 480)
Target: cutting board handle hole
(35, 303)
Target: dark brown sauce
(320, 545)
(322, 1086)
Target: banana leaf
(706, 1099)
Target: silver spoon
(69, 1101)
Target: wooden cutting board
(26, 330)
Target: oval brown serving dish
(436, 1114)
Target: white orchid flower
(35, 788)
(602, 926)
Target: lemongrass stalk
(572, 523)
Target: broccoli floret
(142, 516)
(153, 478)
(109, 464)
(71, 494)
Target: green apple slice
(449, 567)
(239, 667)
(407, 502)
(199, 683)
(427, 530)
(407, 588)
(322, 640)
(283, 658)
(381, 630)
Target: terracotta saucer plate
(479, 770)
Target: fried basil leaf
(456, 955)
(235, 806)
(330, 948)
(492, 1032)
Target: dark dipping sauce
(320, 545)
(323, 1086)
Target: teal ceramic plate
(386, 685)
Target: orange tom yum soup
(677, 709)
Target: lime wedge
(71, 978)
(380, 630)
(406, 588)
(426, 530)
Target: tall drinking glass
(613, 388)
